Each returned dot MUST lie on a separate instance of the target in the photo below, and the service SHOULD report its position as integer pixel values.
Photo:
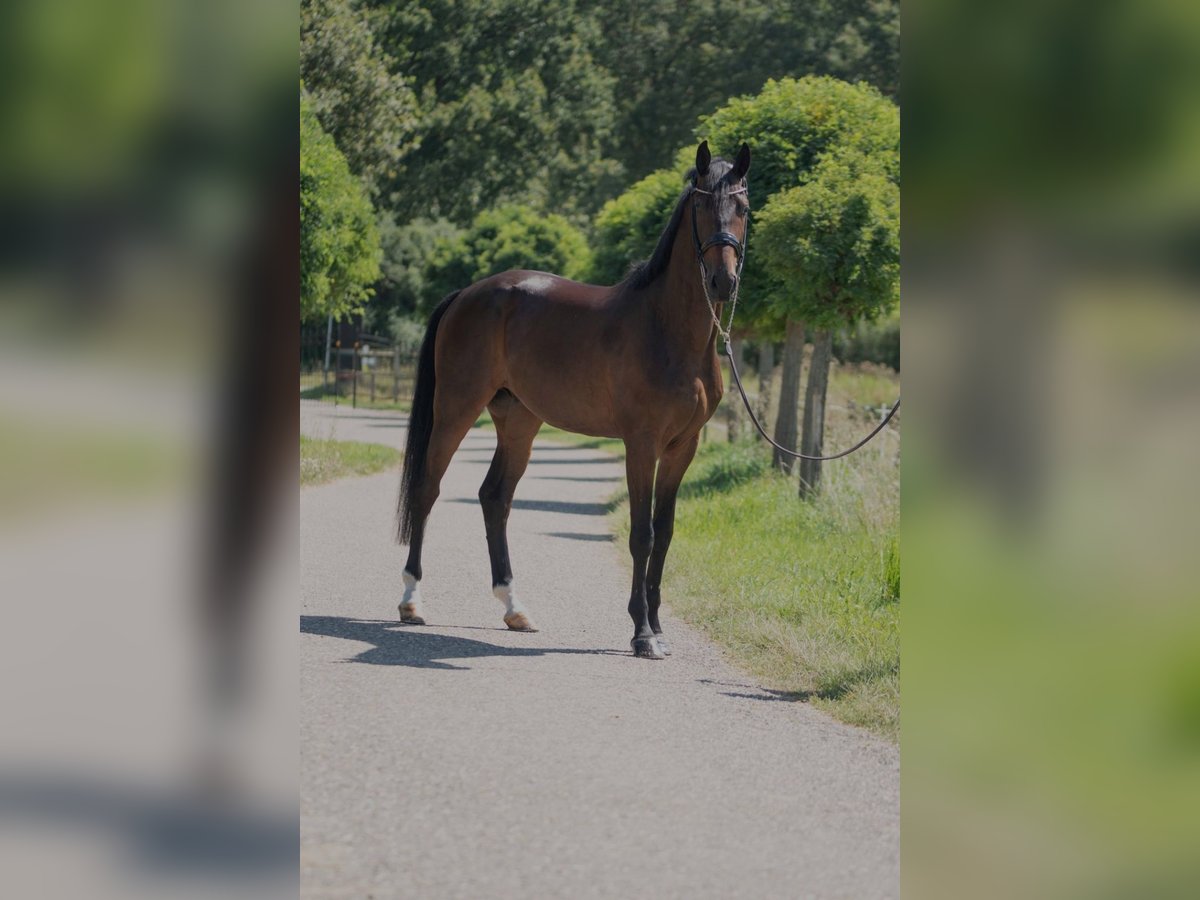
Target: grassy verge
(318, 392)
(803, 595)
(324, 460)
(53, 466)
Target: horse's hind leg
(455, 412)
(516, 428)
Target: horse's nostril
(713, 281)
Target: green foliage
(339, 246)
(799, 603)
(790, 125)
(368, 109)
(873, 342)
(891, 572)
(628, 227)
(720, 467)
(514, 105)
(408, 253)
(674, 64)
(835, 241)
(511, 237)
(324, 460)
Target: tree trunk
(814, 412)
(766, 375)
(733, 398)
(789, 394)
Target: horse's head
(720, 215)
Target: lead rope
(724, 334)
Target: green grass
(324, 460)
(50, 466)
(803, 595)
(312, 387)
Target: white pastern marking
(507, 595)
(412, 593)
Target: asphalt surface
(461, 759)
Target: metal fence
(372, 376)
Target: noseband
(721, 238)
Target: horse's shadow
(420, 648)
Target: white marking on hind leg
(410, 603)
(515, 616)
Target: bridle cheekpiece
(721, 238)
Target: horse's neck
(680, 305)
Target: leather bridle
(721, 238)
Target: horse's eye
(741, 212)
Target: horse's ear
(703, 158)
(741, 165)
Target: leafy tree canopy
(675, 63)
(339, 246)
(362, 101)
(791, 126)
(509, 237)
(835, 241)
(408, 252)
(514, 105)
(627, 228)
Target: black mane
(643, 273)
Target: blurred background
(1051, 677)
(147, 248)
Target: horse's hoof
(518, 621)
(410, 616)
(663, 645)
(647, 648)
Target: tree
(675, 63)
(339, 246)
(408, 252)
(627, 228)
(511, 237)
(368, 109)
(836, 241)
(514, 106)
(792, 125)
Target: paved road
(465, 760)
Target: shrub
(874, 342)
(509, 237)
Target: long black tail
(420, 425)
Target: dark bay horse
(636, 361)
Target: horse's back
(544, 337)
(526, 286)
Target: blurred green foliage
(339, 244)
(871, 342)
(510, 237)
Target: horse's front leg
(666, 487)
(639, 473)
